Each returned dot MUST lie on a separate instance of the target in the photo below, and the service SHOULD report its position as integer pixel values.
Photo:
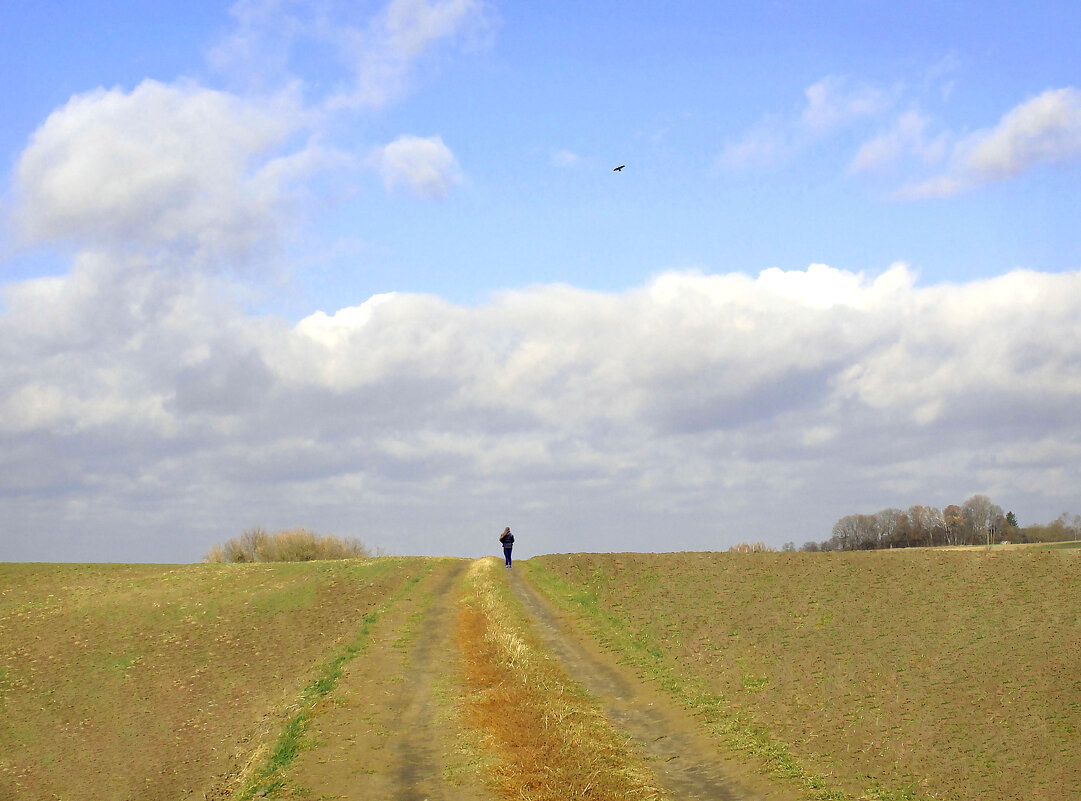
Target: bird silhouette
(620, 167)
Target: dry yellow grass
(546, 740)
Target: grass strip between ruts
(271, 776)
(735, 730)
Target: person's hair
(506, 530)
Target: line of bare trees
(977, 521)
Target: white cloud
(376, 54)
(565, 158)
(822, 286)
(940, 186)
(256, 52)
(766, 144)
(712, 407)
(832, 105)
(834, 101)
(423, 165)
(1043, 130)
(907, 137)
(410, 27)
(383, 56)
(176, 166)
(955, 365)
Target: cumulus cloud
(175, 166)
(422, 165)
(1040, 131)
(698, 407)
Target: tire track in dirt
(382, 733)
(684, 760)
(419, 766)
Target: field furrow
(889, 675)
(152, 682)
(904, 676)
(684, 760)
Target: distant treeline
(294, 545)
(977, 521)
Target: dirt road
(385, 732)
(681, 755)
(389, 730)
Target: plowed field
(904, 676)
(917, 674)
(149, 682)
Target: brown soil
(681, 755)
(143, 683)
(934, 674)
(389, 730)
(153, 683)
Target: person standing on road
(508, 542)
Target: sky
(367, 268)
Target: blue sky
(210, 186)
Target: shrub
(292, 545)
(751, 547)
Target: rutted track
(382, 734)
(686, 763)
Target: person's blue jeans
(506, 552)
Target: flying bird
(620, 167)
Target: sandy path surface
(680, 753)
(385, 731)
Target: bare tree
(892, 525)
(253, 544)
(937, 522)
(953, 522)
(866, 532)
(981, 514)
(925, 521)
(845, 531)
(919, 520)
